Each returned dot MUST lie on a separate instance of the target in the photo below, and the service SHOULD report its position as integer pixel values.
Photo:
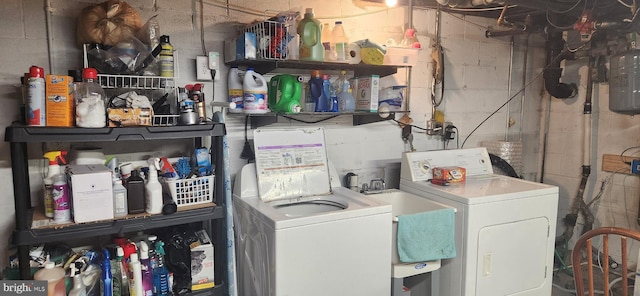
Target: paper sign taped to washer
(291, 163)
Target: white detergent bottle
(255, 91)
(135, 278)
(153, 192)
(235, 90)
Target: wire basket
(273, 35)
(164, 120)
(192, 191)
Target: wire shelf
(273, 35)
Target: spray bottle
(153, 192)
(135, 278)
(161, 285)
(78, 287)
(61, 199)
(55, 158)
(121, 272)
(145, 266)
(107, 276)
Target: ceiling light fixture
(391, 3)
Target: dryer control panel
(417, 166)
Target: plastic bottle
(333, 99)
(135, 193)
(153, 193)
(120, 208)
(166, 57)
(61, 199)
(324, 102)
(54, 276)
(121, 272)
(147, 273)
(339, 82)
(135, 278)
(235, 89)
(160, 272)
(55, 158)
(315, 88)
(255, 93)
(329, 54)
(346, 101)
(340, 42)
(311, 48)
(106, 278)
(36, 97)
(284, 93)
(90, 101)
(78, 288)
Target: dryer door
(512, 258)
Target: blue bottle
(333, 99)
(324, 102)
(107, 277)
(315, 88)
(160, 272)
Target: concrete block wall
(476, 82)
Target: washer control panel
(418, 166)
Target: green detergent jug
(284, 93)
(310, 32)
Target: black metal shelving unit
(23, 236)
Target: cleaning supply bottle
(315, 88)
(235, 89)
(166, 57)
(90, 101)
(121, 274)
(340, 42)
(61, 199)
(160, 272)
(339, 82)
(324, 102)
(135, 277)
(55, 158)
(55, 279)
(311, 48)
(120, 208)
(153, 192)
(36, 97)
(255, 93)
(106, 278)
(135, 193)
(284, 93)
(78, 288)
(147, 273)
(326, 42)
(346, 101)
(333, 100)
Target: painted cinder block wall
(477, 75)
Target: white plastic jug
(255, 93)
(236, 94)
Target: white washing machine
(505, 227)
(333, 244)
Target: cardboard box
(91, 192)
(366, 93)
(243, 47)
(59, 103)
(449, 175)
(120, 117)
(202, 262)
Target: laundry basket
(273, 35)
(192, 191)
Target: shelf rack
(23, 236)
(266, 66)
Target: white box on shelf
(202, 262)
(243, 47)
(91, 192)
(401, 56)
(366, 93)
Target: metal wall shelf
(266, 66)
(359, 118)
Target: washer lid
(483, 189)
(340, 205)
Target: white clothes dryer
(336, 244)
(505, 227)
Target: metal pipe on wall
(48, 11)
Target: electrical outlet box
(214, 63)
(635, 166)
(202, 68)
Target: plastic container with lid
(90, 101)
(255, 93)
(311, 48)
(340, 42)
(54, 276)
(326, 42)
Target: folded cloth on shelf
(426, 236)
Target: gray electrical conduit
(579, 205)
